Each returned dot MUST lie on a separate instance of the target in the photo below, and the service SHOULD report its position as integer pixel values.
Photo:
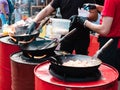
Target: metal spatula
(102, 48)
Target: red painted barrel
(6, 48)
(44, 80)
(22, 72)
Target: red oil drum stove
(44, 80)
(22, 70)
(7, 47)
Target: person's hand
(77, 21)
(31, 27)
(89, 6)
(81, 20)
(73, 23)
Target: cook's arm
(40, 16)
(44, 13)
(102, 29)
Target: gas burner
(37, 60)
(41, 58)
(62, 76)
(29, 55)
(12, 41)
(8, 40)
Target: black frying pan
(77, 65)
(60, 61)
(20, 35)
(34, 48)
(43, 47)
(84, 67)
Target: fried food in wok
(81, 63)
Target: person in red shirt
(109, 28)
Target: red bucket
(6, 48)
(44, 80)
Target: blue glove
(89, 6)
(31, 27)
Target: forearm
(44, 13)
(94, 27)
(103, 28)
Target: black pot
(43, 47)
(34, 48)
(74, 71)
(21, 36)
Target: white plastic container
(60, 26)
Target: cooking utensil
(33, 49)
(20, 35)
(71, 69)
(76, 67)
(59, 62)
(81, 65)
(102, 48)
(61, 39)
(43, 47)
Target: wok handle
(56, 60)
(43, 23)
(60, 40)
(46, 46)
(68, 35)
(103, 47)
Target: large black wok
(77, 67)
(20, 35)
(43, 47)
(34, 49)
(75, 73)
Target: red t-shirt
(112, 9)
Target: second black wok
(35, 48)
(43, 47)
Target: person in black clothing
(100, 2)
(81, 39)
